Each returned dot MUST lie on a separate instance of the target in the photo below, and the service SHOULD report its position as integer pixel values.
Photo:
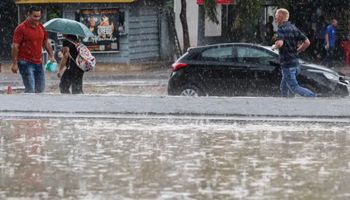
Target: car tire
(191, 91)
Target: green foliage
(210, 10)
(247, 11)
(169, 4)
(284, 3)
(53, 11)
(52, 15)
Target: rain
(185, 101)
(173, 159)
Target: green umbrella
(67, 26)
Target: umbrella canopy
(67, 26)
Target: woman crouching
(69, 72)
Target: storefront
(126, 31)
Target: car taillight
(177, 66)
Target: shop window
(106, 25)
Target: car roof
(195, 50)
(229, 44)
(268, 48)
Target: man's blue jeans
(289, 82)
(33, 76)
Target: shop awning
(71, 1)
(217, 1)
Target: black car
(241, 69)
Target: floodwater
(173, 159)
(155, 88)
(146, 87)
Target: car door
(224, 76)
(263, 76)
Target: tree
(245, 16)
(210, 10)
(183, 19)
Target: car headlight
(330, 76)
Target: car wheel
(191, 91)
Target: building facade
(311, 16)
(126, 31)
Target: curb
(312, 109)
(150, 115)
(15, 89)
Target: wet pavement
(151, 81)
(172, 159)
(316, 109)
(148, 82)
(120, 87)
(125, 139)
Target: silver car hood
(312, 66)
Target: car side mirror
(275, 63)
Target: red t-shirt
(30, 40)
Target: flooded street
(173, 158)
(131, 87)
(174, 100)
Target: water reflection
(173, 159)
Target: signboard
(104, 24)
(71, 1)
(217, 1)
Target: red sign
(217, 1)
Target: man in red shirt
(29, 38)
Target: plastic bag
(50, 66)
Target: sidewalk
(102, 73)
(298, 109)
(114, 68)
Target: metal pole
(18, 14)
(226, 16)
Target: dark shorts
(72, 78)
